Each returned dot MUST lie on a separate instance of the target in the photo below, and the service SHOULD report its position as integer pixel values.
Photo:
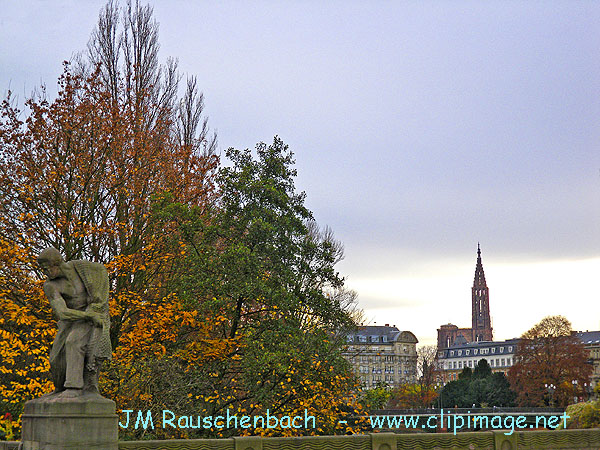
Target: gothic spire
(479, 281)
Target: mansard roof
(480, 345)
(382, 334)
(589, 337)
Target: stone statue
(78, 294)
(75, 415)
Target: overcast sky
(419, 128)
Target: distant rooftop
(513, 341)
(589, 337)
(380, 334)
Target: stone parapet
(86, 422)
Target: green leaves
(478, 387)
(257, 257)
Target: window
(503, 361)
(475, 351)
(494, 350)
(362, 339)
(510, 349)
(451, 352)
(470, 363)
(501, 349)
(467, 352)
(460, 353)
(497, 362)
(460, 364)
(491, 363)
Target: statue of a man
(78, 294)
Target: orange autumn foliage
(80, 174)
(88, 173)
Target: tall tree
(80, 174)
(125, 46)
(263, 265)
(549, 359)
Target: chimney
(387, 324)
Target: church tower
(480, 298)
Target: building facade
(499, 355)
(591, 342)
(382, 354)
(481, 323)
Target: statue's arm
(94, 313)
(60, 307)
(98, 295)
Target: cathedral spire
(479, 281)
(482, 327)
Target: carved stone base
(64, 422)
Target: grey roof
(392, 334)
(376, 330)
(460, 340)
(513, 341)
(589, 337)
(482, 344)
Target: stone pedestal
(56, 422)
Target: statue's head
(50, 261)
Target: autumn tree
(423, 393)
(427, 368)
(80, 173)
(412, 396)
(224, 292)
(549, 355)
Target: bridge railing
(489, 440)
(499, 409)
